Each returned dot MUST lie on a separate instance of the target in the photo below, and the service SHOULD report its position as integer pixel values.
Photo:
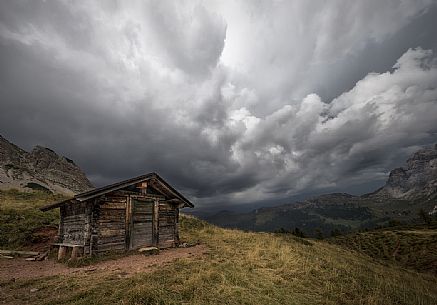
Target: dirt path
(18, 268)
(398, 245)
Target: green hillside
(411, 247)
(240, 268)
(20, 218)
(327, 213)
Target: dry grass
(242, 268)
(239, 268)
(414, 248)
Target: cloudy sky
(233, 102)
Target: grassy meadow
(20, 218)
(411, 247)
(241, 268)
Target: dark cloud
(222, 98)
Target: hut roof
(157, 182)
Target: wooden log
(176, 228)
(149, 196)
(118, 250)
(143, 187)
(20, 253)
(156, 222)
(42, 256)
(110, 240)
(111, 244)
(112, 233)
(62, 252)
(129, 223)
(111, 247)
(76, 252)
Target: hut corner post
(156, 222)
(129, 223)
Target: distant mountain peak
(41, 168)
(417, 179)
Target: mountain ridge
(40, 169)
(407, 191)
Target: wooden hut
(135, 213)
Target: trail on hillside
(18, 268)
(398, 245)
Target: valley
(408, 192)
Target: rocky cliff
(417, 179)
(41, 169)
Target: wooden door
(142, 225)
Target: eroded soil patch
(18, 268)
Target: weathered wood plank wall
(72, 223)
(167, 225)
(110, 223)
(119, 222)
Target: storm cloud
(231, 101)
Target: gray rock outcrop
(417, 179)
(41, 169)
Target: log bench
(76, 250)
